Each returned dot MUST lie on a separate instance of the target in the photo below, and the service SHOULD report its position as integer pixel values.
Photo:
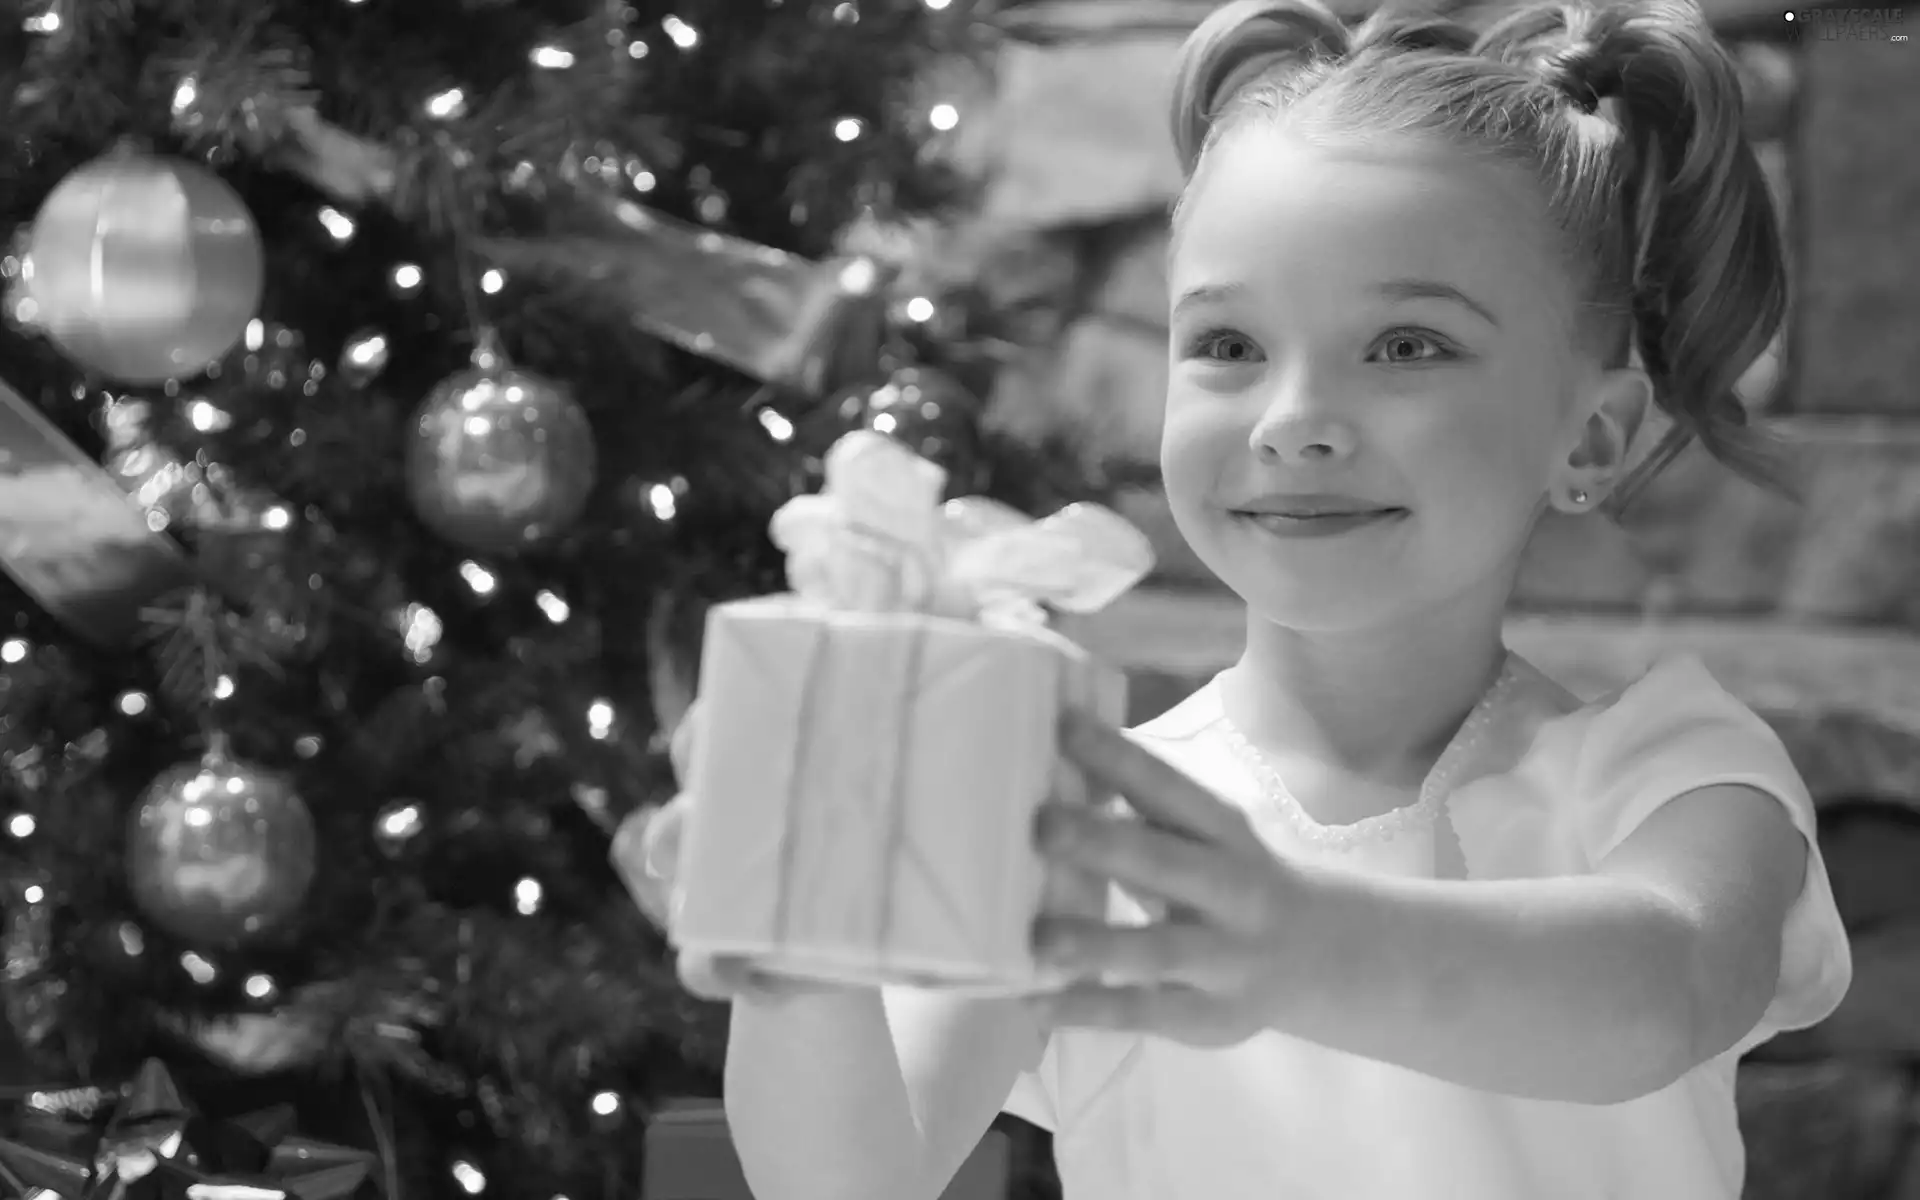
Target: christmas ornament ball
(925, 408)
(142, 269)
(499, 459)
(219, 851)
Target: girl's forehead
(1269, 202)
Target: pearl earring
(1579, 498)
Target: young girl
(1432, 927)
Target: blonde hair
(1628, 114)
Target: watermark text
(1849, 24)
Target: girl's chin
(1326, 602)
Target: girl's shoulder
(1675, 702)
(1604, 760)
(1673, 731)
(1676, 716)
(1676, 681)
(1583, 770)
(1675, 728)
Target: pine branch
(377, 664)
(193, 658)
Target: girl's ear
(1615, 405)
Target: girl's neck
(1377, 701)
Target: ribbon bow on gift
(877, 538)
(145, 1142)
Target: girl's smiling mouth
(1313, 514)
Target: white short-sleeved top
(1536, 784)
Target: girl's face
(1374, 384)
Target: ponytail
(1706, 283)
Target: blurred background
(387, 389)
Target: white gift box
(867, 785)
(874, 747)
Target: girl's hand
(704, 975)
(1211, 973)
(651, 837)
(707, 976)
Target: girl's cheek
(1196, 432)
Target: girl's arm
(1592, 989)
(844, 1095)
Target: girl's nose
(1296, 429)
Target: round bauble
(142, 269)
(499, 459)
(926, 409)
(219, 851)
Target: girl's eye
(1223, 347)
(1410, 346)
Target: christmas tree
(387, 388)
